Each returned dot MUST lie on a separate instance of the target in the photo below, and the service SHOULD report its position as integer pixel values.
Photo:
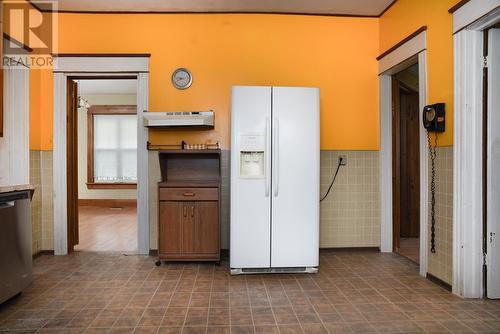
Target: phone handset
(434, 117)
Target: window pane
(129, 165)
(128, 128)
(105, 167)
(106, 131)
(115, 148)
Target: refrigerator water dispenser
(252, 161)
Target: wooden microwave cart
(189, 206)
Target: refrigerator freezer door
(295, 195)
(250, 197)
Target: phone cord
(432, 152)
(333, 181)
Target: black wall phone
(433, 117)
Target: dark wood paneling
(410, 165)
(403, 41)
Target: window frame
(104, 110)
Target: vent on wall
(180, 119)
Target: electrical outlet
(343, 160)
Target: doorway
(102, 164)
(406, 163)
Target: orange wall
(334, 53)
(405, 17)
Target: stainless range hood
(180, 119)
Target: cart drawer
(189, 194)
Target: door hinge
(485, 62)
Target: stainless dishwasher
(15, 243)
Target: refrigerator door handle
(275, 167)
(268, 156)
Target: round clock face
(182, 78)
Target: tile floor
(354, 292)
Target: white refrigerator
(275, 175)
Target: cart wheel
(158, 263)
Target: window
(112, 146)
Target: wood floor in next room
(358, 292)
(107, 229)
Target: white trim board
(468, 148)
(403, 53)
(82, 66)
(14, 145)
(471, 12)
(409, 53)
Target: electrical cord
(432, 152)
(333, 181)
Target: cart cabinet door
(207, 227)
(170, 231)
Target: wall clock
(182, 78)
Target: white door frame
(469, 22)
(411, 52)
(92, 66)
(15, 143)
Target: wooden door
(410, 165)
(396, 169)
(72, 163)
(172, 216)
(207, 228)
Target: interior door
(250, 197)
(410, 165)
(493, 167)
(295, 178)
(72, 163)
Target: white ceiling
(338, 7)
(107, 87)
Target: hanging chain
(432, 152)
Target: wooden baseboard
(108, 203)
(438, 281)
(43, 252)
